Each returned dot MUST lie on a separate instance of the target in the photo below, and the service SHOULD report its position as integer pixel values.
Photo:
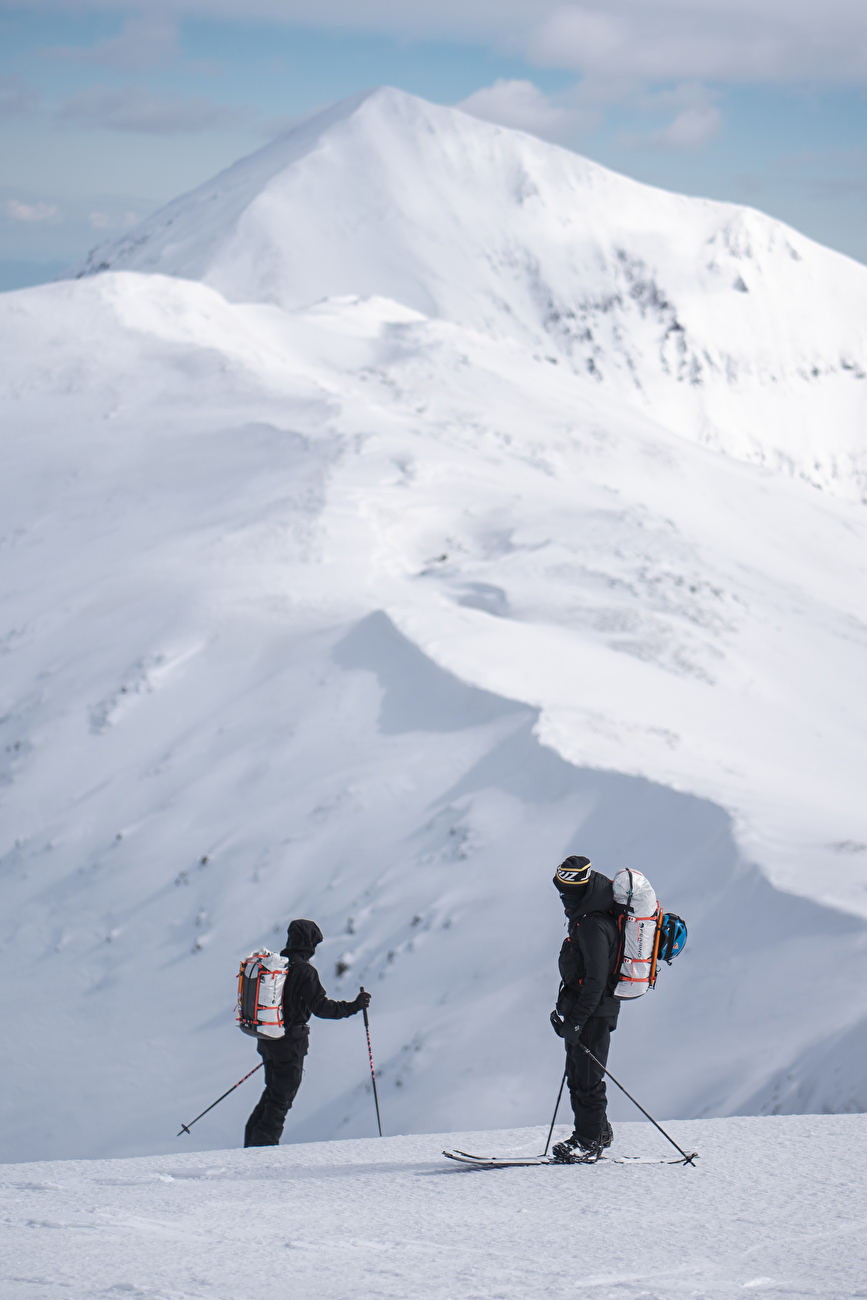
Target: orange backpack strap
(656, 938)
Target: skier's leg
(256, 1113)
(572, 1079)
(283, 1081)
(284, 1067)
(589, 1098)
(254, 1120)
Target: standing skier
(303, 996)
(588, 962)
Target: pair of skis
(524, 1162)
(591, 1157)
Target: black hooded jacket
(303, 994)
(588, 957)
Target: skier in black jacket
(588, 962)
(303, 996)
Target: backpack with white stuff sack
(261, 981)
(646, 934)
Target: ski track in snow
(774, 1206)
(373, 610)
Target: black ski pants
(585, 1078)
(284, 1066)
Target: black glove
(362, 1002)
(571, 1032)
(556, 1024)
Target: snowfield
(370, 601)
(774, 1207)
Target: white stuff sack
(260, 994)
(640, 922)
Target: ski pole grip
(364, 1009)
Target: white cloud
(571, 115)
(696, 118)
(751, 41)
(688, 130)
(146, 41)
(521, 104)
(135, 108)
(692, 127)
(31, 212)
(621, 52)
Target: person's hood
(598, 896)
(302, 937)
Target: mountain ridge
(725, 324)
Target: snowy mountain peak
(731, 328)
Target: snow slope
(774, 1207)
(353, 612)
(218, 517)
(730, 327)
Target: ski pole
(185, 1128)
(372, 1075)
(554, 1116)
(687, 1160)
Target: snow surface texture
(347, 611)
(773, 1207)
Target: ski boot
(577, 1150)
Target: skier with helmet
(586, 1008)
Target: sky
(108, 110)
